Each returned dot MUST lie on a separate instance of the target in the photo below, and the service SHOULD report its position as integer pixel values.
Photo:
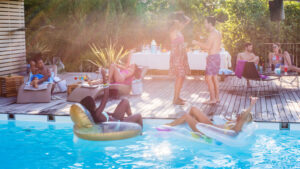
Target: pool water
(26, 144)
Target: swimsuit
(213, 64)
(128, 80)
(179, 65)
(38, 76)
(278, 58)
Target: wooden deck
(156, 101)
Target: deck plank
(156, 100)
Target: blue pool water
(53, 145)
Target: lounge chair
(115, 89)
(250, 73)
(37, 96)
(83, 91)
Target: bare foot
(35, 85)
(168, 124)
(178, 102)
(210, 102)
(253, 100)
(180, 99)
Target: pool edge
(66, 119)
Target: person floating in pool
(196, 116)
(122, 109)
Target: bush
(67, 27)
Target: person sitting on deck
(248, 56)
(33, 71)
(121, 74)
(100, 116)
(196, 116)
(277, 58)
(39, 72)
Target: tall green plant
(104, 57)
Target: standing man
(213, 60)
(248, 56)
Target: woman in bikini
(196, 116)
(277, 58)
(122, 74)
(179, 66)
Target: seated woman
(121, 74)
(196, 116)
(122, 109)
(118, 115)
(278, 58)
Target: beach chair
(115, 90)
(250, 73)
(83, 91)
(238, 73)
(41, 95)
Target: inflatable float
(226, 136)
(184, 131)
(85, 128)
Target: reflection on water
(49, 147)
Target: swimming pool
(25, 144)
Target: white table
(160, 61)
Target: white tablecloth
(197, 60)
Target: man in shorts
(248, 56)
(213, 46)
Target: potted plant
(104, 57)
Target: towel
(86, 85)
(50, 80)
(42, 86)
(240, 68)
(225, 72)
(263, 77)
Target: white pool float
(226, 136)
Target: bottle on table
(285, 69)
(260, 69)
(153, 46)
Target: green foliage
(104, 57)
(67, 27)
